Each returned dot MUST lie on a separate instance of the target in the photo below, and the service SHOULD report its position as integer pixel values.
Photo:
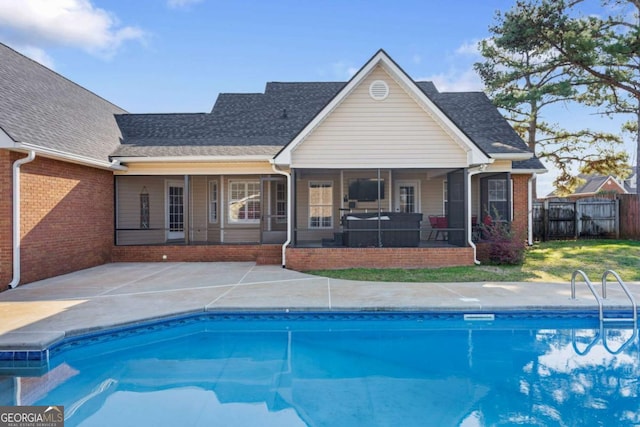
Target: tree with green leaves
(545, 52)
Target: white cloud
(75, 23)
(468, 48)
(342, 70)
(416, 58)
(177, 4)
(37, 54)
(455, 80)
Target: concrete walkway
(37, 315)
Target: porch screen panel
(456, 193)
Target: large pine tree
(548, 51)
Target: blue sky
(150, 56)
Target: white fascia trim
(512, 156)
(52, 153)
(196, 159)
(474, 154)
(528, 171)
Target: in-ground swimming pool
(344, 370)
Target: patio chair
(433, 222)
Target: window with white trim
(244, 202)
(320, 204)
(213, 202)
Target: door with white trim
(407, 196)
(175, 210)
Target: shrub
(507, 246)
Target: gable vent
(379, 90)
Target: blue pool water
(344, 370)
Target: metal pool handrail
(601, 333)
(626, 291)
(591, 288)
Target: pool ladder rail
(603, 319)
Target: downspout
(530, 209)
(289, 213)
(16, 216)
(469, 222)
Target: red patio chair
(433, 222)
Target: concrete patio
(37, 315)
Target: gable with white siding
(362, 132)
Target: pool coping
(125, 295)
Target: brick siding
(66, 218)
(520, 204)
(304, 259)
(261, 254)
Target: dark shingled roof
(530, 164)
(481, 121)
(239, 124)
(40, 107)
(262, 123)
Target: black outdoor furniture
(395, 229)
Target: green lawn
(544, 262)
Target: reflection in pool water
(352, 370)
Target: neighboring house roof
(630, 182)
(595, 184)
(40, 108)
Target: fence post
(545, 220)
(617, 217)
(577, 223)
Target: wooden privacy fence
(586, 218)
(629, 216)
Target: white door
(407, 196)
(175, 210)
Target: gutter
(289, 212)
(511, 156)
(16, 216)
(68, 157)
(530, 209)
(196, 159)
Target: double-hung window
(497, 197)
(320, 204)
(244, 202)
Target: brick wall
(520, 203)
(6, 191)
(67, 218)
(304, 259)
(261, 254)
